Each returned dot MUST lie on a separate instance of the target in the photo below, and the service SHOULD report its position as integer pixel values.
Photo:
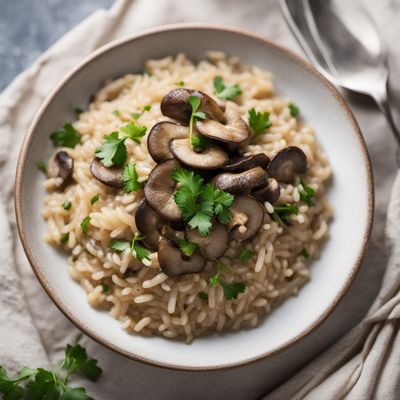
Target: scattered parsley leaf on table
(225, 92)
(294, 110)
(306, 193)
(186, 247)
(258, 121)
(41, 384)
(130, 178)
(245, 255)
(66, 137)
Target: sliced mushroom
(288, 163)
(61, 166)
(214, 244)
(269, 192)
(175, 105)
(247, 217)
(152, 225)
(159, 190)
(235, 130)
(243, 163)
(160, 137)
(173, 263)
(110, 176)
(242, 182)
(210, 158)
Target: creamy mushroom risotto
(190, 197)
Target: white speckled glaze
(351, 195)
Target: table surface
(27, 28)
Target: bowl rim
(177, 27)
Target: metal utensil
(341, 40)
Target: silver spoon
(341, 40)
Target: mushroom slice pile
(152, 225)
(214, 244)
(160, 137)
(61, 166)
(270, 192)
(288, 163)
(210, 158)
(235, 130)
(242, 182)
(160, 188)
(110, 176)
(247, 217)
(173, 263)
(175, 105)
(243, 163)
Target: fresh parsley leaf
(200, 142)
(119, 245)
(105, 287)
(135, 115)
(64, 238)
(258, 121)
(201, 220)
(180, 83)
(281, 214)
(41, 384)
(220, 200)
(95, 199)
(130, 178)
(225, 92)
(66, 137)
(78, 111)
(138, 251)
(67, 205)
(85, 224)
(245, 255)
(41, 166)
(147, 108)
(294, 110)
(203, 296)
(232, 290)
(306, 193)
(304, 253)
(134, 132)
(116, 113)
(195, 102)
(113, 151)
(187, 248)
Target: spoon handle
(382, 100)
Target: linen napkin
(33, 331)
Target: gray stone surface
(28, 27)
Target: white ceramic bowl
(351, 195)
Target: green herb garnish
(78, 111)
(195, 102)
(281, 214)
(147, 108)
(67, 205)
(130, 178)
(203, 296)
(199, 202)
(66, 137)
(85, 224)
(105, 288)
(41, 384)
(119, 245)
(134, 132)
(200, 142)
(138, 251)
(116, 113)
(225, 92)
(294, 110)
(245, 255)
(258, 121)
(95, 199)
(64, 238)
(306, 193)
(231, 290)
(304, 253)
(135, 115)
(187, 248)
(41, 166)
(180, 83)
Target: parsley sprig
(186, 247)
(66, 137)
(39, 383)
(130, 178)
(231, 290)
(198, 202)
(306, 193)
(196, 115)
(258, 121)
(245, 255)
(138, 251)
(294, 110)
(281, 214)
(225, 92)
(113, 150)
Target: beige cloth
(33, 331)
